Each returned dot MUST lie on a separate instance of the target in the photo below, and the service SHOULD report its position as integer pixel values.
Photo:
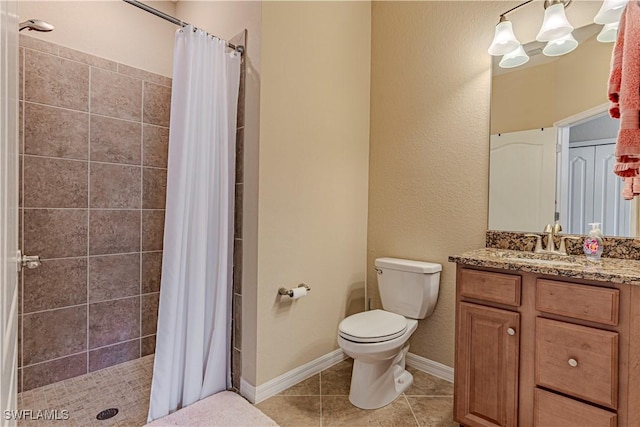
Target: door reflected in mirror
(552, 143)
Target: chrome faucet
(551, 230)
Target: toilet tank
(407, 287)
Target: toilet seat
(372, 326)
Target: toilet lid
(373, 326)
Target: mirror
(552, 143)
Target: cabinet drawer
(487, 286)
(577, 360)
(553, 410)
(578, 301)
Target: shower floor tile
(125, 386)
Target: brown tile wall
(236, 321)
(94, 138)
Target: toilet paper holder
(289, 292)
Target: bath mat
(222, 409)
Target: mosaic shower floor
(125, 386)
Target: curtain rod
(173, 20)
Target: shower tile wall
(236, 340)
(94, 138)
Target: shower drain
(107, 413)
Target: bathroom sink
(548, 262)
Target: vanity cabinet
(535, 350)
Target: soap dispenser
(593, 243)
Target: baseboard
(430, 367)
(248, 391)
(272, 387)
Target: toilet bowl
(379, 374)
(378, 340)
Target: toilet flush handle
(378, 270)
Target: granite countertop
(611, 270)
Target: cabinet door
(486, 371)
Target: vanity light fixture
(609, 33)
(556, 30)
(610, 11)
(560, 46)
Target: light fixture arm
(503, 17)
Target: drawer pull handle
(511, 331)
(573, 363)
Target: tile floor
(323, 400)
(125, 386)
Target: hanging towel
(624, 94)
(631, 187)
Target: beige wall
(314, 145)
(226, 19)
(429, 156)
(110, 29)
(539, 96)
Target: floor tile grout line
(406, 399)
(429, 395)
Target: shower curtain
(192, 358)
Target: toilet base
(374, 385)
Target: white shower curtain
(192, 358)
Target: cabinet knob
(511, 331)
(572, 362)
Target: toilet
(378, 340)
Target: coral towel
(624, 94)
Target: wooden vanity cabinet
(487, 349)
(543, 351)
